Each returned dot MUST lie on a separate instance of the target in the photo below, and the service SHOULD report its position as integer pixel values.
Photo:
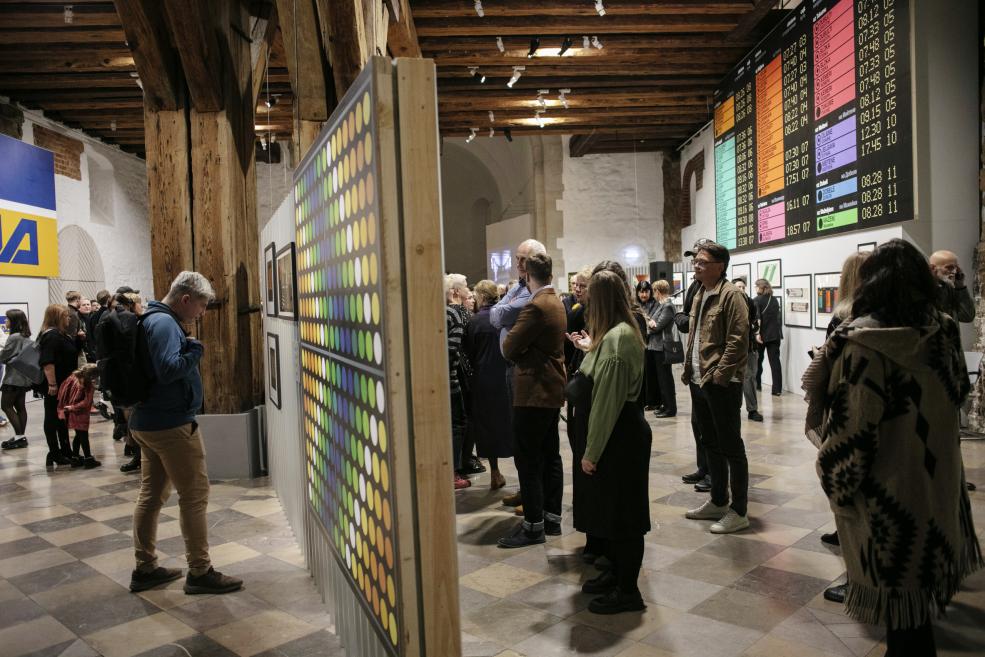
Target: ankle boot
(55, 458)
(90, 462)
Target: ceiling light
(586, 43)
(474, 70)
(596, 42)
(499, 44)
(68, 14)
(492, 117)
(263, 143)
(517, 72)
(270, 102)
(508, 133)
(534, 45)
(598, 7)
(492, 133)
(472, 133)
(478, 8)
(562, 97)
(567, 43)
(540, 97)
(538, 116)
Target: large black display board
(813, 129)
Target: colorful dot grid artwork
(346, 428)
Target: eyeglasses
(703, 262)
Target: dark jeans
(459, 426)
(717, 410)
(81, 442)
(771, 350)
(913, 642)
(665, 378)
(55, 430)
(12, 403)
(653, 394)
(538, 462)
(749, 383)
(699, 450)
(627, 558)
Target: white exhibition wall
(946, 170)
(502, 238)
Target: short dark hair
(540, 267)
(718, 252)
(741, 279)
(103, 297)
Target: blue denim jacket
(176, 395)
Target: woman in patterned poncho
(891, 461)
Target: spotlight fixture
(539, 116)
(478, 77)
(472, 134)
(508, 133)
(492, 117)
(540, 97)
(112, 125)
(599, 7)
(263, 143)
(270, 102)
(562, 96)
(596, 42)
(534, 45)
(68, 15)
(517, 72)
(478, 8)
(499, 44)
(567, 43)
(492, 132)
(586, 43)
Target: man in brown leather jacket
(714, 367)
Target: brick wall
(68, 151)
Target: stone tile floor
(65, 557)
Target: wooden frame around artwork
(275, 384)
(287, 291)
(270, 280)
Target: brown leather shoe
(496, 480)
(518, 510)
(513, 500)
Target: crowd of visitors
(891, 367)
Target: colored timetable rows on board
(834, 58)
(725, 200)
(349, 478)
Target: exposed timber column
(673, 223)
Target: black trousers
(538, 462)
(772, 351)
(699, 450)
(55, 430)
(459, 427)
(717, 410)
(912, 642)
(627, 558)
(665, 379)
(653, 394)
(12, 403)
(81, 442)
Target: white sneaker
(730, 522)
(707, 511)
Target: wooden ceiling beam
(76, 36)
(751, 20)
(64, 61)
(82, 104)
(503, 73)
(75, 81)
(401, 36)
(485, 44)
(561, 120)
(192, 29)
(346, 39)
(43, 17)
(155, 59)
(58, 94)
(631, 132)
(457, 8)
(575, 25)
(658, 115)
(579, 145)
(305, 60)
(588, 60)
(706, 83)
(615, 97)
(262, 57)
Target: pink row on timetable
(772, 222)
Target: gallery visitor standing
(59, 357)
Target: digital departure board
(813, 129)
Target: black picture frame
(760, 265)
(797, 283)
(274, 382)
(866, 247)
(743, 270)
(287, 292)
(270, 280)
(825, 281)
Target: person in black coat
(752, 365)
(770, 335)
(491, 413)
(58, 356)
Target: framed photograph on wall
(287, 298)
(17, 305)
(678, 282)
(743, 271)
(273, 369)
(771, 271)
(825, 298)
(270, 280)
(797, 299)
(867, 247)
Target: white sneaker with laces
(730, 522)
(707, 511)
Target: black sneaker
(693, 478)
(665, 413)
(212, 582)
(552, 528)
(522, 538)
(140, 581)
(703, 486)
(755, 416)
(831, 539)
(615, 602)
(14, 443)
(601, 584)
(132, 466)
(472, 466)
(836, 593)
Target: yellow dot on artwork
(376, 468)
(362, 193)
(368, 147)
(364, 229)
(370, 188)
(382, 434)
(390, 592)
(385, 476)
(376, 308)
(374, 270)
(351, 125)
(393, 629)
(385, 617)
(360, 159)
(356, 235)
(335, 147)
(366, 108)
(359, 118)
(372, 225)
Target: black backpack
(126, 370)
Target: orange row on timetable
(769, 127)
(725, 116)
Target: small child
(74, 402)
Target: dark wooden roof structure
(648, 87)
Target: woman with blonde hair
(58, 358)
(613, 438)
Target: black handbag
(673, 348)
(578, 388)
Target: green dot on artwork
(371, 393)
(363, 395)
(365, 424)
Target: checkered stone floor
(66, 554)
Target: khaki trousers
(173, 456)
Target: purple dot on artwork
(348, 381)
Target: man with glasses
(714, 367)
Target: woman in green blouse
(612, 501)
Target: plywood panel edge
(427, 344)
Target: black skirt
(613, 503)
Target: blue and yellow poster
(28, 224)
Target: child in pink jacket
(74, 405)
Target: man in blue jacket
(165, 428)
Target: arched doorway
(80, 265)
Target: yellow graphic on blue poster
(28, 244)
